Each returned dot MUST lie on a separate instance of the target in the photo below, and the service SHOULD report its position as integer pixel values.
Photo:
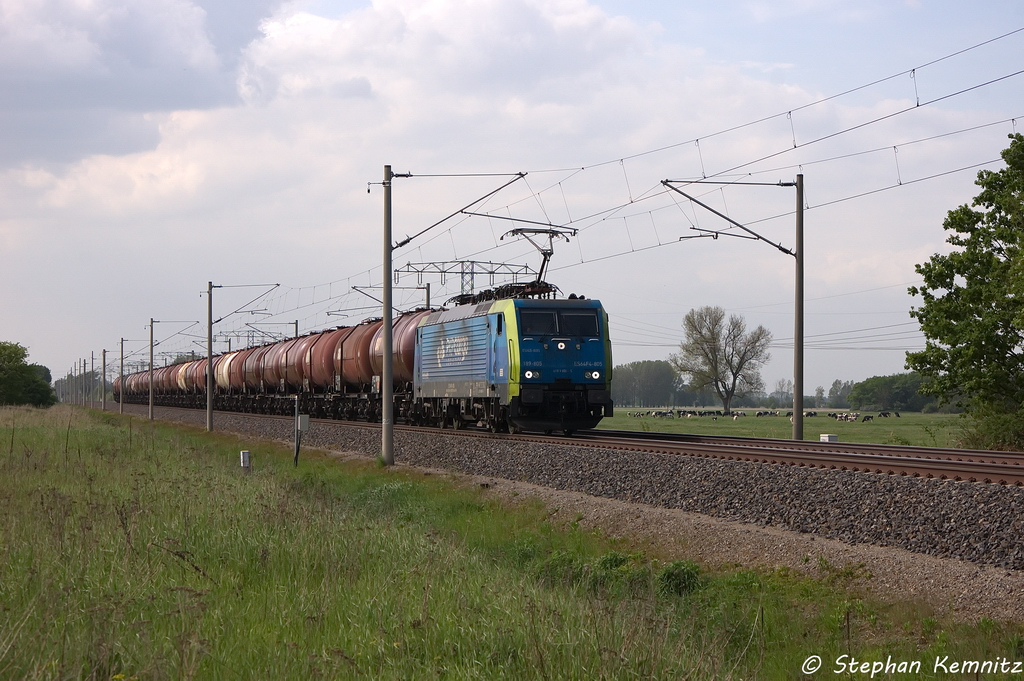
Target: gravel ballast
(975, 522)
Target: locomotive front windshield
(538, 322)
(563, 323)
(578, 323)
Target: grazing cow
(867, 418)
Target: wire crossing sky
(152, 146)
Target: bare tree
(722, 356)
(783, 391)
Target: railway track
(947, 454)
(1005, 468)
(972, 465)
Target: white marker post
(301, 425)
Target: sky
(150, 147)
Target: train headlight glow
(532, 374)
(596, 374)
(561, 346)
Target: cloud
(490, 48)
(265, 172)
(77, 78)
(100, 52)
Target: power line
(611, 213)
(879, 119)
(605, 214)
(789, 112)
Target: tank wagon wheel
(568, 432)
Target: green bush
(679, 577)
(613, 560)
(561, 569)
(988, 427)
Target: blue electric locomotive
(514, 364)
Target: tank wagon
(506, 364)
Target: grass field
(911, 428)
(137, 551)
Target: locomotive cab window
(578, 323)
(537, 322)
(501, 318)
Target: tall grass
(133, 550)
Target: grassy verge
(131, 550)
(911, 428)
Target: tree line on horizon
(655, 383)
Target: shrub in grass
(619, 574)
(611, 561)
(561, 568)
(679, 577)
(524, 551)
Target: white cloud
(439, 50)
(273, 183)
(63, 37)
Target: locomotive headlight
(561, 346)
(531, 374)
(596, 374)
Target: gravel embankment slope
(947, 543)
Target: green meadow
(911, 428)
(131, 550)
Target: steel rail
(979, 455)
(891, 464)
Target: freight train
(510, 360)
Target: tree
(972, 304)
(21, 382)
(898, 391)
(838, 394)
(649, 383)
(722, 356)
(782, 394)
